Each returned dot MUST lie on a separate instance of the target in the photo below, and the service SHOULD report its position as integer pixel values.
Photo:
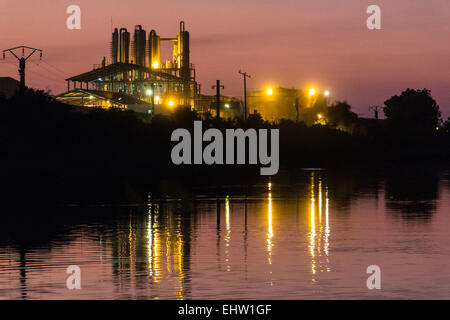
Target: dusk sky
(289, 43)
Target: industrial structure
(137, 74)
(22, 60)
(283, 103)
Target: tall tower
(139, 46)
(154, 50)
(115, 46)
(184, 53)
(124, 46)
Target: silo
(124, 48)
(139, 46)
(115, 46)
(154, 50)
(183, 52)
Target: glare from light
(227, 106)
(269, 91)
(312, 92)
(149, 92)
(326, 93)
(171, 103)
(155, 65)
(91, 97)
(320, 116)
(157, 99)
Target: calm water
(311, 236)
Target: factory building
(283, 103)
(136, 73)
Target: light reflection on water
(307, 240)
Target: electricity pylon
(22, 61)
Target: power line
(45, 76)
(51, 72)
(57, 69)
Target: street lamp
(312, 92)
(269, 91)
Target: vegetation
(40, 136)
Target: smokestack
(184, 52)
(154, 50)
(139, 46)
(115, 46)
(124, 48)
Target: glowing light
(91, 97)
(270, 233)
(171, 103)
(157, 99)
(227, 237)
(227, 106)
(312, 234)
(312, 92)
(326, 93)
(149, 92)
(269, 91)
(155, 65)
(320, 116)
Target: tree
(413, 113)
(255, 120)
(340, 116)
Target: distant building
(230, 107)
(8, 86)
(138, 76)
(281, 103)
(106, 100)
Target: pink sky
(289, 43)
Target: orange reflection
(269, 225)
(227, 237)
(319, 235)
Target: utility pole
(218, 86)
(22, 61)
(154, 85)
(245, 75)
(375, 111)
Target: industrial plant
(137, 78)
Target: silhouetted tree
(339, 116)
(255, 120)
(413, 113)
(446, 127)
